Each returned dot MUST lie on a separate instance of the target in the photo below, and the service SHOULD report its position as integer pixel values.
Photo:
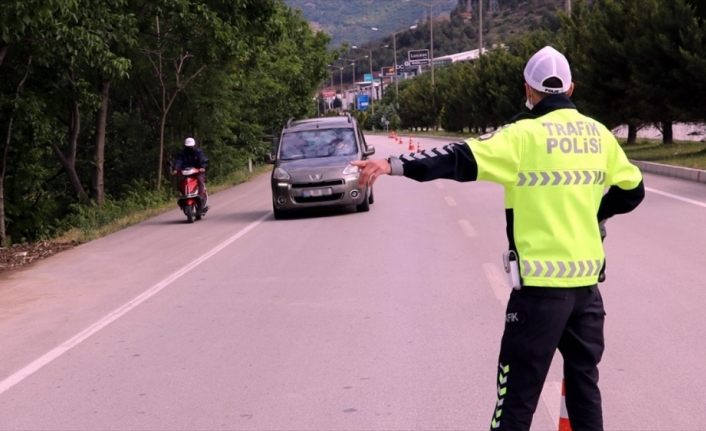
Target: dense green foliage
(634, 62)
(96, 97)
(350, 21)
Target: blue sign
(368, 77)
(363, 102)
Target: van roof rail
(348, 115)
(289, 122)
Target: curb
(696, 175)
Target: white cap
(189, 142)
(548, 63)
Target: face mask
(529, 104)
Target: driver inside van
(343, 144)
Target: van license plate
(312, 193)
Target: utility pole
(480, 28)
(372, 83)
(341, 84)
(397, 87)
(431, 36)
(568, 6)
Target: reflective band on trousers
(556, 178)
(559, 269)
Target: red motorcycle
(190, 201)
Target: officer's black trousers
(538, 321)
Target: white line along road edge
(77, 339)
(677, 197)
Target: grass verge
(92, 222)
(685, 154)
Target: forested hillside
(95, 98)
(634, 62)
(349, 21)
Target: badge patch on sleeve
(486, 136)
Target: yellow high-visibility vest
(555, 170)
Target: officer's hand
(202, 169)
(371, 169)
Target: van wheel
(279, 214)
(364, 207)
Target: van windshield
(309, 144)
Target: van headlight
(351, 170)
(281, 175)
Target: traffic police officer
(555, 165)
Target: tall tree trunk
(160, 158)
(632, 134)
(101, 122)
(69, 161)
(667, 132)
(6, 148)
(3, 51)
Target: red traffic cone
(419, 147)
(564, 423)
(411, 145)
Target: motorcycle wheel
(190, 212)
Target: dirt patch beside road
(20, 255)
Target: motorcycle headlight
(351, 169)
(281, 175)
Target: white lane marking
(677, 197)
(450, 201)
(498, 282)
(467, 228)
(114, 315)
(551, 398)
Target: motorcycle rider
(191, 156)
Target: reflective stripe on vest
(556, 178)
(561, 269)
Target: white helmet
(189, 142)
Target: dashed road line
(467, 228)
(498, 281)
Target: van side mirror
(369, 151)
(271, 158)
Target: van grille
(321, 184)
(333, 197)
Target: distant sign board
(328, 93)
(418, 57)
(363, 101)
(368, 77)
(387, 71)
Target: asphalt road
(386, 320)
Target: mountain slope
(350, 21)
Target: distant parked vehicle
(312, 166)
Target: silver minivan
(312, 169)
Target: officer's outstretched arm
(453, 161)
